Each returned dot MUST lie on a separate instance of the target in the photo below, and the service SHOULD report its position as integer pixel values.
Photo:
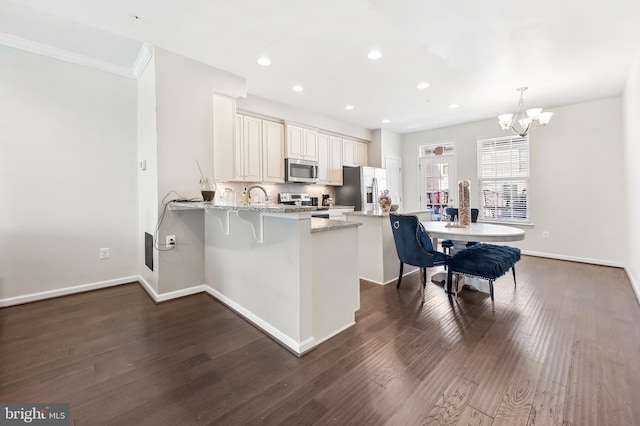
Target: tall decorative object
(464, 202)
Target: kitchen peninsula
(377, 254)
(293, 276)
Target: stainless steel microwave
(305, 171)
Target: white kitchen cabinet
(248, 149)
(329, 160)
(224, 123)
(324, 153)
(335, 161)
(272, 151)
(354, 153)
(302, 143)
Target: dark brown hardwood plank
(473, 417)
(548, 404)
(518, 399)
(449, 408)
(118, 358)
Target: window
(437, 176)
(503, 179)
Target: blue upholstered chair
(486, 261)
(413, 245)
(452, 212)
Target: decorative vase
(385, 201)
(464, 202)
(208, 189)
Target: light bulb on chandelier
(524, 121)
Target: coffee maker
(325, 200)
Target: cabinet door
(224, 130)
(272, 151)
(348, 152)
(252, 135)
(310, 145)
(295, 142)
(324, 159)
(238, 150)
(361, 153)
(335, 160)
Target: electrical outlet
(545, 235)
(170, 240)
(105, 253)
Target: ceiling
(474, 54)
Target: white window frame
(504, 185)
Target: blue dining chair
(413, 245)
(452, 212)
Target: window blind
(503, 178)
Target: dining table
(461, 235)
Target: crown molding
(144, 56)
(64, 55)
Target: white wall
(281, 111)
(577, 179)
(632, 159)
(67, 175)
(147, 179)
(184, 96)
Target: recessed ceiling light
(452, 106)
(385, 121)
(423, 85)
(349, 107)
(137, 18)
(264, 61)
(374, 54)
(297, 88)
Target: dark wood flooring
(563, 348)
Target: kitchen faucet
(266, 196)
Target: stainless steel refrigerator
(361, 187)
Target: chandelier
(524, 121)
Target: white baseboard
(296, 347)
(163, 297)
(393, 279)
(335, 333)
(33, 297)
(634, 284)
(573, 259)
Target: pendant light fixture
(524, 121)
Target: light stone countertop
(371, 213)
(320, 225)
(265, 208)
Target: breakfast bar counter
(293, 276)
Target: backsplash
(272, 189)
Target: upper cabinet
(259, 150)
(248, 149)
(224, 124)
(272, 151)
(354, 153)
(302, 143)
(329, 160)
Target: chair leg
(400, 275)
(513, 268)
(449, 282)
(493, 303)
(457, 285)
(424, 277)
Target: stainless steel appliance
(302, 199)
(361, 187)
(304, 171)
